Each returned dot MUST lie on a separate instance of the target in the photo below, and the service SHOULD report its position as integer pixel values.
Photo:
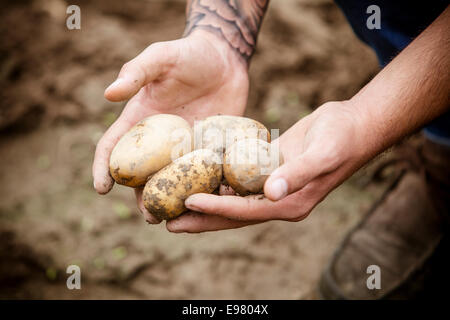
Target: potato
(149, 146)
(248, 163)
(219, 132)
(196, 172)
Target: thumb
(153, 62)
(292, 176)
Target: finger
(103, 182)
(256, 208)
(140, 203)
(295, 174)
(226, 190)
(153, 62)
(295, 207)
(193, 222)
(250, 208)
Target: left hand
(320, 152)
(193, 77)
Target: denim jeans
(401, 22)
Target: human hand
(193, 77)
(325, 148)
(320, 152)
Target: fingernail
(174, 227)
(115, 84)
(278, 189)
(188, 203)
(143, 210)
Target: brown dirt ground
(53, 112)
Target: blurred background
(53, 112)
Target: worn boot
(399, 250)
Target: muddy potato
(197, 172)
(149, 146)
(248, 163)
(219, 132)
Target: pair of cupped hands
(199, 76)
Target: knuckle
(298, 212)
(297, 219)
(173, 229)
(166, 52)
(250, 206)
(219, 210)
(156, 46)
(102, 144)
(150, 219)
(156, 50)
(298, 216)
(126, 69)
(330, 156)
(126, 66)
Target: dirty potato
(196, 172)
(248, 163)
(149, 146)
(219, 132)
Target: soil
(53, 113)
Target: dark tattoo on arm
(236, 21)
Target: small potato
(219, 132)
(149, 146)
(196, 172)
(248, 163)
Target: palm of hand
(192, 77)
(194, 80)
(319, 153)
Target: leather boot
(403, 235)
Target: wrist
(355, 126)
(223, 47)
(370, 136)
(230, 72)
(235, 23)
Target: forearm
(236, 22)
(409, 92)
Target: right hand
(320, 152)
(193, 77)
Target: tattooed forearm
(236, 21)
